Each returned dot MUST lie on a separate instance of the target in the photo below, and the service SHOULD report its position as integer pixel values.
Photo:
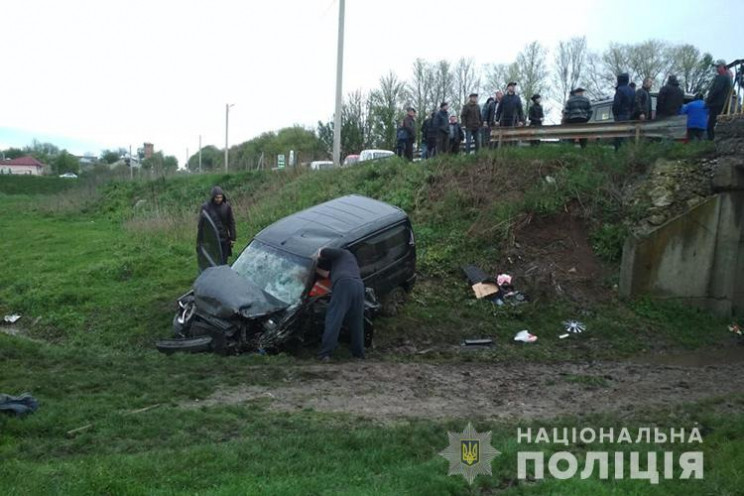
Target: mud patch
(390, 391)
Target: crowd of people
(442, 132)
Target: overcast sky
(88, 75)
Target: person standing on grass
(409, 124)
(441, 126)
(718, 93)
(472, 121)
(536, 115)
(697, 118)
(510, 112)
(456, 135)
(347, 301)
(578, 110)
(219, 210)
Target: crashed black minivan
(271, 296)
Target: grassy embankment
(95, 277)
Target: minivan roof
(333, 223)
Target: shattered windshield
(282, 275)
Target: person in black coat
(578, 110)
(718, 93)
(536, 115)
(441, 127)
(510, 112)
(429, 136)
(670, 99)
(220, 212)
(642, 104)
(622, 104)
(456, 135)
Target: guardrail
(674, 128)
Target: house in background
(27, 165)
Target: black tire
(185, 345)
(392, 301)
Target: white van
(375, 155)
(321, 164)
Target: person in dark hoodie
(219, 210)
(441, 126)
(428, 137)
(670, 99)
(622, 104)
(718, 93)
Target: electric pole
(339, 80)
(227, 115)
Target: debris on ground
(499, 291)
(736, 329)
(18, 405)
(574, 327)
(11, 319)
(477, 342)
(525, 337)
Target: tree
(355, 123)
(692, 68)
(65, 162)
(110, 156)
(386, 111)
(212, 159)
(570, 59)
(421, 87)
(532, 72)
(651, 59)
(499, 75)
(12, 153)
(170, 164)
(443, 82)
(466, 81)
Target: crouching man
(347, 301)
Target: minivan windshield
(281, 274)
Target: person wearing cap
(441, 126)
(536, 115)
(509, 112)
(578, 110)
(718, 93)
(697, 118)
(472, 120)
(670, 99)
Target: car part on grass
(477, 342)
(186, 345)
(525, 337)
(574, 326)
(12, 318)
(563, 336)
(18, 405)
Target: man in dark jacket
(718, 93)
(578, 110)
(488, 113)
(219, 210)
(456, 135)
(642, 104)
(428, 137)
(536, 115)
(347, 301)
(472, 120)
(670, 99)
(441, 126)
(509, 112)
(622, 105)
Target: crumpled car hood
(223, 293)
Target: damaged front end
(227, 314)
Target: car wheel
(392, 302)
(187, 345)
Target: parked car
(69, 175)
(271, 296)
(602, 108)
(375, 155)
(321, 164)
(351, 160)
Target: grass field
(95, 273)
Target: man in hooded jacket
(220, 212)
(622, 105)
(670, 99)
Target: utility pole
(227, 121)
(339, 80)
(200, 153)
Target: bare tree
(467, 81)
(385, 110)
(692, 68)
(421, 87)
(570, 59)
(499, 75)
(650, 59)
(532, 70)
(616, 60)
(444, 82)
(597, 79)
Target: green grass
(95, 272)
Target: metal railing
(674, 128)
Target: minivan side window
(382, 249)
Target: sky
(90, 75)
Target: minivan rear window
(382, 249)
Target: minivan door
(208, 247)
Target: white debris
(11, 319)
